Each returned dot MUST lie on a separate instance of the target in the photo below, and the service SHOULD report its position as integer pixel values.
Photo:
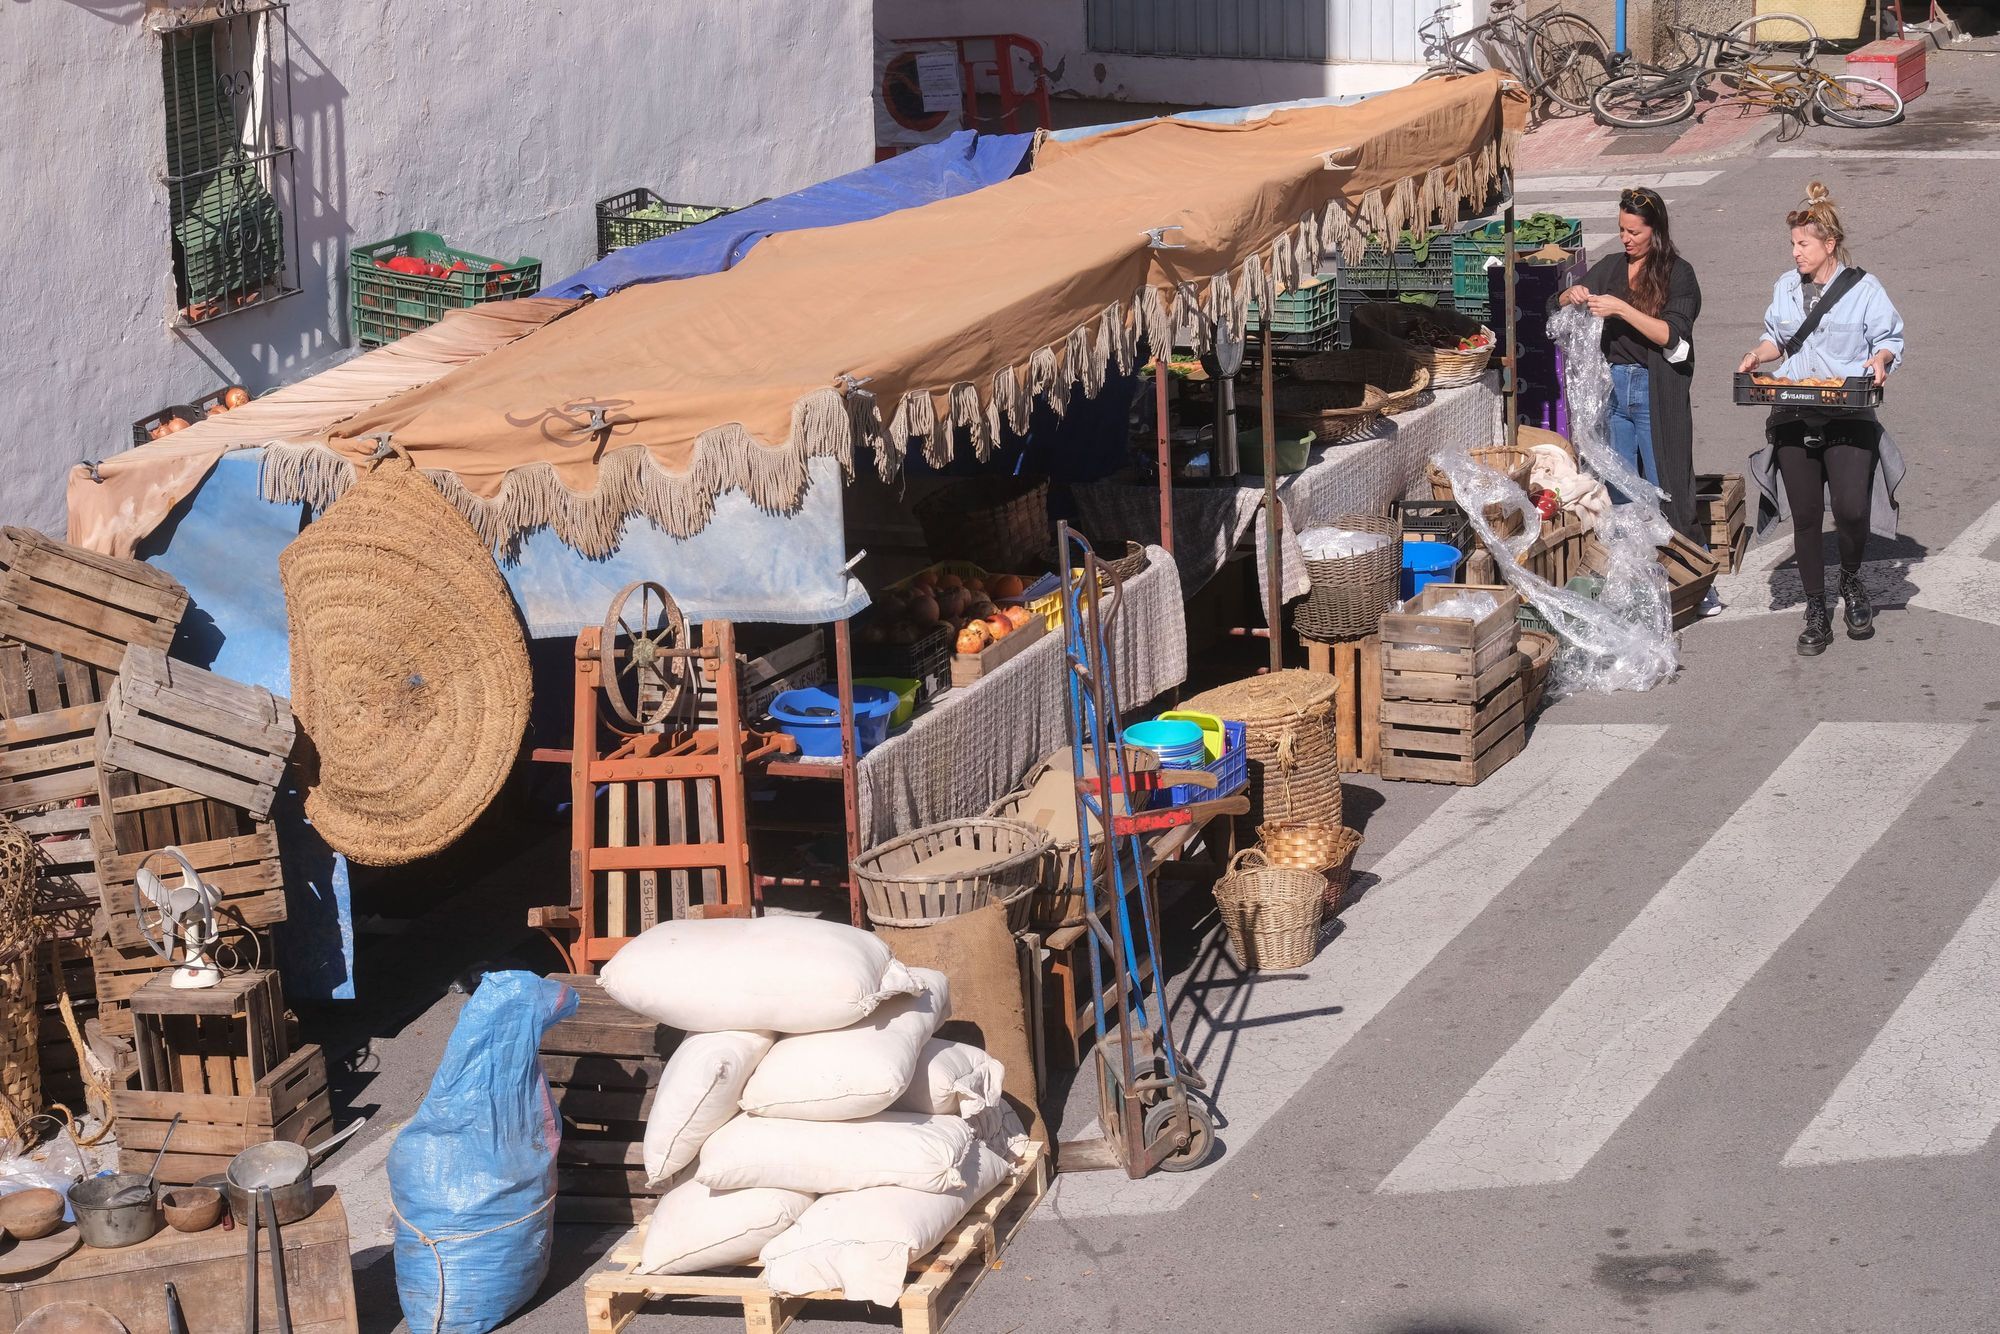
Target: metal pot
(109, 1228)
(282, 1168)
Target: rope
(88, 1066)
(433, 1243)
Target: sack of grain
(855, 1071)
(768, 974)
(697, 1095)
(694, 1228)
(821, 1157)
(953, 1078)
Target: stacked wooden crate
(1723, 514)
(603, 1064)
(1452, 707)
(1690, 574)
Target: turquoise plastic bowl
(1172, 739)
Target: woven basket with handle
(1514, 464)
(946, 869)
(1328, 849)
(1395, 325)
(1272, 913)
(1400, 378)
(1350, 593)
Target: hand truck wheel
(1201, 1143)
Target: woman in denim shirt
(1820, 453)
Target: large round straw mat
(1287, 722)
(409, 670)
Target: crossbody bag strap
(1848, 280)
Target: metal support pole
(1227, 464)
(1510, 371)
(1274, 593)
(850, 778)
(1164, 443)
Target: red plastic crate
(1896, 61)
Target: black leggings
(1814, 460)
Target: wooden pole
(1274, 593)
(850, 775)
(1163, 441)
(1510, 372)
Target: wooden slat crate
(201, 732)
(66, 873)
(291, 1103)
(1722, 510)
(63, 964)
(221, 1039)
(49, 758)
(1453, 743)
(1356, 668)
(86, 607)
(245, 870)
(603, 1064)
(1557, 554)
(120, 972)
(1690, 573)
(34, 680)
(764, 669)
(1452, 708)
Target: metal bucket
(119, 1225)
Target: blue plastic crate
(1231, 770)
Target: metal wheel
(1457, 68)
(1858, 103)
(643, 681)
(1778, 30)
(1201, 1139)
(1572, 59)
(1643, 102)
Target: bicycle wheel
(1858, 103)
(1776, 30)
(1642, 102)
(1571, 58)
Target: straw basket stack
(1287, 722)
(1272, 913)
(1327, 850)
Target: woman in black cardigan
(1648, 298)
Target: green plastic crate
(1307, 313)
(1471, 248)
(640, 215)
(1409, 266)
(385, 305)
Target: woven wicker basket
(1350, 593)
(946, 869)
(1514, 464)
(1272, 913)
(1333, 410)
(20, 1056)
(1401, 378)
(1127, 566)
(1327, 849)
(1389, 325)
(1287, 722)
(1539, 647)
(1530, 436)
(1047, 801)
(997, 523)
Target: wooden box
(221, 1039)
(1690, 573)
(49, 758)
(1896, 61)
(290, 1103)
(1558, 552)
(969, 667)
(1447, 659)
(1356, 668)
(203, 733)
(246, 870)
(763, 673)
(66, 890)
(86, 608)
(120, 972)
(1722, 511)
(1461, 743)
(603, 1064)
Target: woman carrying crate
(1649, 299)
(1828, 321)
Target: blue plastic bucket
(811, 715)
(1426, 563)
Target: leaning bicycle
(1561, 57)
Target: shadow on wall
(282, 342)
(121, 12)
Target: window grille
(226, 71)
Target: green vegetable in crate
(1541, 229)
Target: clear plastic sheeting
(1622, 639)
(1338, 543)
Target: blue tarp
(965, 162)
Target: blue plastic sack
(473, 1175)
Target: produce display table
(972, 745)
(1360, 477)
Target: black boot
(1860, 614)
(1819, 628)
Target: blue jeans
(1631, 424)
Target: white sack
(861, 1242)
(852, 1072)
(698, 1093)
(953, 1078)
(821, 1157)
(770, 974)
(694, 1228)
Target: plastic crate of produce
(1417, 263)
(386, 303)
(194, 410)
(640, 215)
(1310, 311)
(927, 661)
(1852, 394)
(1473, 246)
(1231, 770)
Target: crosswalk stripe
(1945, 154)
(1658, 180)
(1431, 886)
(1546, 1107)
(1930, 1082)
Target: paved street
(1689, 1019)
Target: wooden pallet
(291, 1103)
(603, 1064)
(942, 1281)
(86, 608)
(1356, 668)
(203, 733)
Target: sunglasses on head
(1640, 197)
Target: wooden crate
(221, 1039)
(49, 758)
(764, 670)
(86, 608)
(603, 1064)
(940, 1284)
(66, 888)
(1690, 574)
(245, 870)
(290, 1103)
(120, 972)
(1417, 645)
(63, 964)
(1721, 509)
(203, 733)
(1557, 554)
(969, 667)
(1356, 668)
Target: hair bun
(1817, 193)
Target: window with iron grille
(226, 70)
(1232, 29)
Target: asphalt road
(1689, 1019)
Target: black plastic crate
(1854, 394)
(1434, 521)
(927, 662)
(640, 215)
(191, 412)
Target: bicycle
(1560, 56)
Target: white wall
(498, 124)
